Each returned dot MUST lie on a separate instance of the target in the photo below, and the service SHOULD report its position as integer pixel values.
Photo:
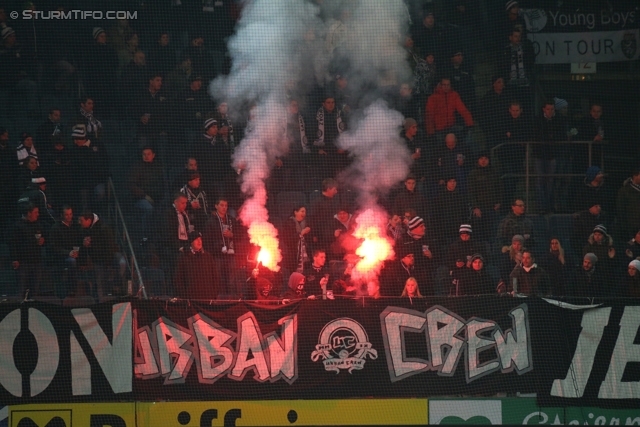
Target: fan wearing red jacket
(441, 107)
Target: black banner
(156, 350)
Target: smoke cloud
(267, 52)
(284, 48)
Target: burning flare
(261, 232)
(376, 247)
(264, 235)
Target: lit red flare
(264, 235)
(376, 247)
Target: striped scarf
(302, 256)
(303, 134)
(320, 118)
(93, 124)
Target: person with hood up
(264, 290)
(296, 288)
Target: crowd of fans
(447, 218)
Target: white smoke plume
(282, 47)
(377, 62)
(369, 42)
(380, 157)
(372, 45)
(267, 52)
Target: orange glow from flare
(264, 257)
(264, 235)
(375, 249)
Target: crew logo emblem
(343, 344)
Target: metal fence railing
(527, 174)
(116, 220)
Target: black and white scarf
(23, 152)
(303, 134)
(634, 186)
(394, 232)
(57, 128)
(302, 256)
(517, 63)
(212, 139)
(228, 243)
(93, 124)
(201, 197)
(184, 224)
(320, 118)
(224, 121)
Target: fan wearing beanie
(590, 278)
(632, 280)
(416, 242)
(600, 243)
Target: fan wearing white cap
(632, 280)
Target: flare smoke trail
(372, 43)
(271, 49)
(267, 53)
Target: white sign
(597, 46)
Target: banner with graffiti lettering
(135, 350)
(584, 35)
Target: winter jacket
(590, 283)
(147, 179)
(485, 188)
(628, 210)
(24, 245)
(535, 282)
(91, 158)
(514, 224)
(294, 292)
(292, 243)
(197, 276)
(441, 108)
(103, 243)
(62, 238)
(474, 282)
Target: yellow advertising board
(285, 412)
(356, 412)
(73, 414)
